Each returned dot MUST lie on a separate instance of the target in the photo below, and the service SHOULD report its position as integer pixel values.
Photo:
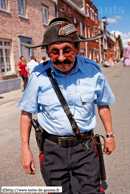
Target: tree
(120, 45)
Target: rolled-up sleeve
(104, 94)
(29, 102)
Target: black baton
(102, 166)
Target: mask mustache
(66, 61)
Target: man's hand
(27, 161)
(109, 145)
(105, 116)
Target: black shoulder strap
(45, 62)
(63, 103)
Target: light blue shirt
(82, 88)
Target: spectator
(22, 68)
(126, 55)
(43, 59)
(31, 64)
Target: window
(89, 53)
(97, 55)
(81, 28)
(94, 59)
(26, 52)
(5, 50)
(91, 14)
(75, 22)
(91, 32)
(22, 7)
(4, 4)
(71, 18)
(82, 51)
(88, 31)
(87, 10)
(45, 15)
(62, 12)
(96, 19)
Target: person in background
(22, 68)
(43, 59)
(126, 55)
(31, 64)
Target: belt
(70, 140)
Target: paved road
(117, 164)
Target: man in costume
(126, 55)
(82, 85)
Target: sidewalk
(10, 96)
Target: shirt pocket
(50, 105)
(87, 103)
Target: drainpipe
(99, 47)
(86, 46)
(100, 50)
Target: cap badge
(67, 29)
(62, 32)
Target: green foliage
(120, 45)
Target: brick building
(117, 50)
(111, 40)
(26, 21)
(92, 29)
(103, 42)
(74, 11)
(21, 21)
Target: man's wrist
(25, 145)
(110, 135)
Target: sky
(118, 17)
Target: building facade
(76, 14)
(117, 50)
(92, 30)
(103, 41)
(22, 21)
(26, 21)
(111, 42)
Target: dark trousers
(25, 80)
(57, 163)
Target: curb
(10, 96)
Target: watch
(110, 135)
